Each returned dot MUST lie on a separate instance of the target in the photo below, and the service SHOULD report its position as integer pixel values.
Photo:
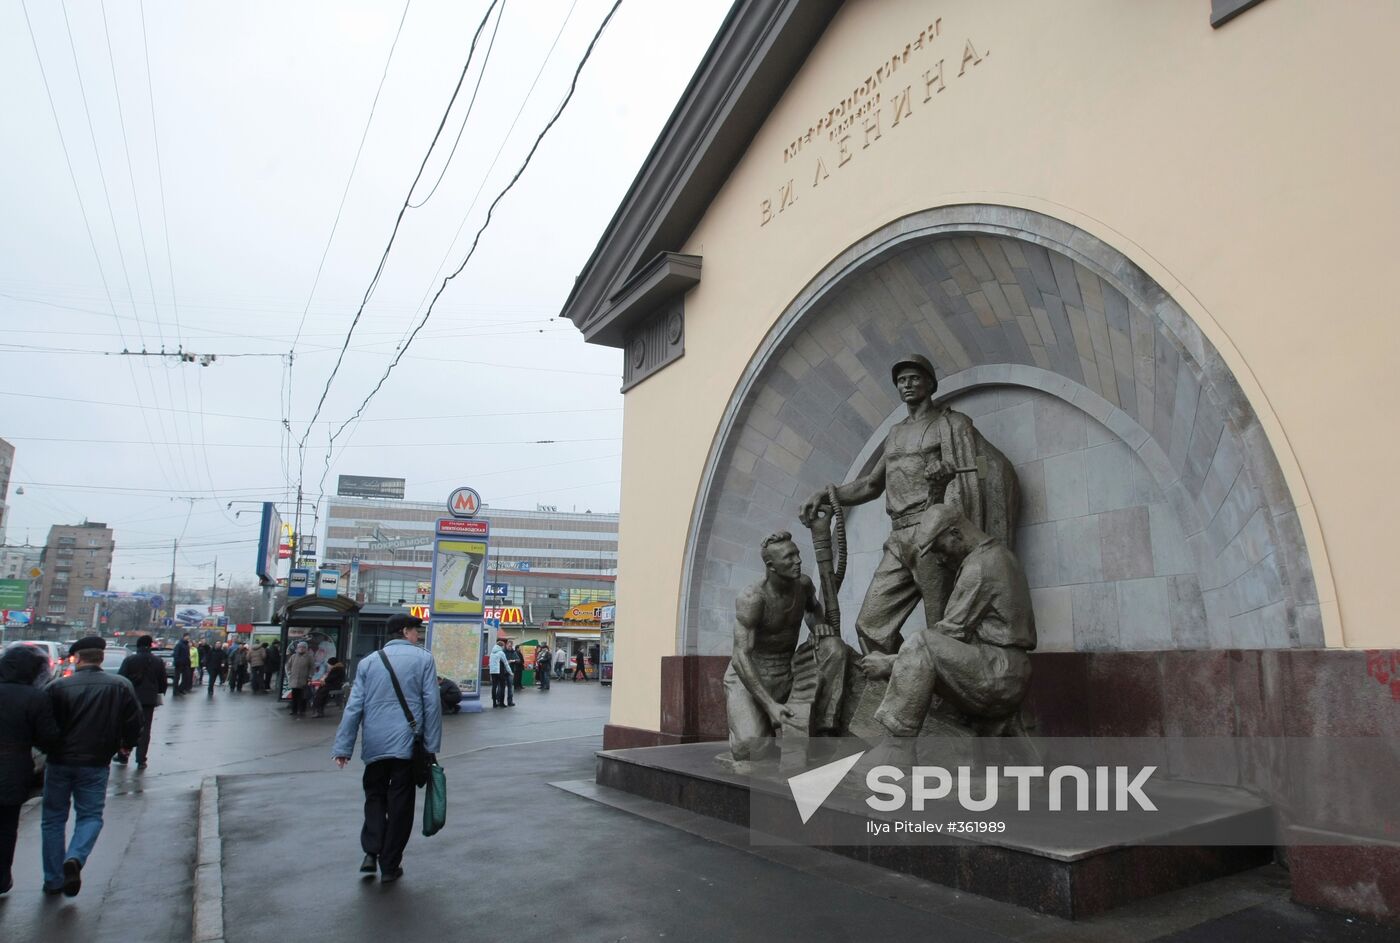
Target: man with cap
(976, 657)
(99, 716)
(919, 466)
(387, 746)
(146, 673)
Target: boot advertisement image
(459, 578)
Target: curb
(209, 870)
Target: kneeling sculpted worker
(388, 740)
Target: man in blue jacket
(387, 746)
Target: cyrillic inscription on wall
(877, 108)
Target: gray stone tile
(1217, 608)
(1255, 538)
(1247, 630)
(1144, 619)
(1273, 623)
(1145, 490)
(1239, 506)
(1059, 427)
(1015, 433)
(1096, 433)
(1037, 549)
(779, 479)
(1108, 470)
(1258, 587)
(1170, 555)
(1081, 550)
(1095, 614)
(1188, 614)
(1188, 390)
(1031, 478)
(1066, 487)
(1126, 538)
(1054, 618)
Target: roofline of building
(754, 56)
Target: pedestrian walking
(146, 673)
(26, 723)
(200, 659)
(581, 665)
(238, 668)
(257, 661)
(402, 677)
(184, 665)
(543, 664)
(98, 716)
(517, 665)
(333, 681)
(501, 678)
(299, 665)
(561, 661)
(212, 661)
(273, 669)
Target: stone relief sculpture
(952, 500)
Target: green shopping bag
(435, 801)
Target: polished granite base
(1099, 864)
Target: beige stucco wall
(1249, 170)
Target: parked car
(60, 664)
(112, 659)
(168, 656)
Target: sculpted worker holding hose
(923, 463)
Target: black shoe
(119, 759)
(6, 884)
(389, 877)
(72, 877)
(370, 864)
(52, 891)
(140, 765)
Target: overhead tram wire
(116, 235)
(384, 257)
(447, 253)
(485, 61)
(164, 215)
(476, 241)
(288, 372)
(87, 224)
(140, 222)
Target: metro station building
(1144, 244)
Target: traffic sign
(464, 502)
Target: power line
(485, 61)
(384, 257)
(289, 376)
(490, 211)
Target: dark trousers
(143, 745)
(9, 833)
(298, 701)
(518, 677)
(323, 694)
(543, 675)
(580, 670)
(184, 679)
(500, 689)
(214, 677)
(259, 682)
(388, 811)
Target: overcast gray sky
(211, 194)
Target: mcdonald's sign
(464, 502)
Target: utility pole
(174, 548)
(214, 588)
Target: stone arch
(1008, 299)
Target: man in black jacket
(146, 673)
(183, 672)
(99, 716)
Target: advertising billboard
(459, 577)
(368, 486)
(13, 594)
(269, 536)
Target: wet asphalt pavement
(518, 860)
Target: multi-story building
(547, 561)
(76, 557)
(17, 563)
(7, 463)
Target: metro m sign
(464, 502)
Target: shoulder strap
(403, 702)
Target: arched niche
(1154, 512)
